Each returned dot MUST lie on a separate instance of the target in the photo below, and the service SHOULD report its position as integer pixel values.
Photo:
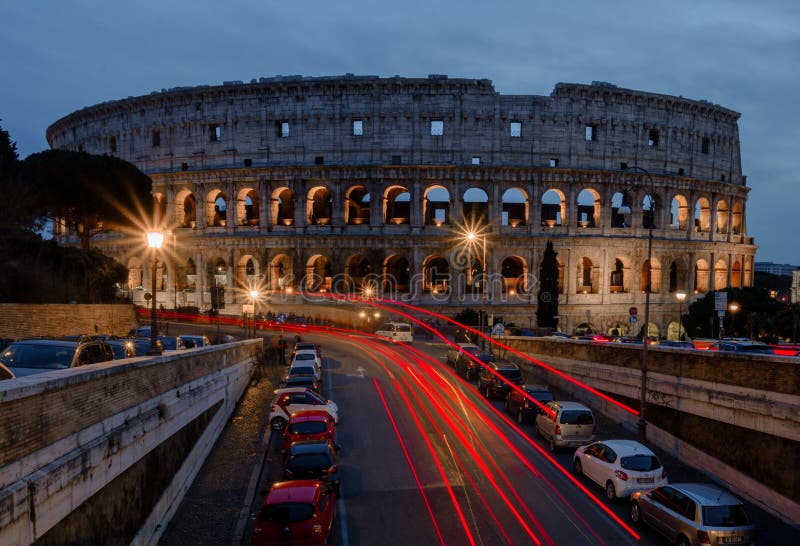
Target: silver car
(566, 424)
(693, 514)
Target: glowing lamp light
(155, 239)
(254, 294)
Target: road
(426, 460)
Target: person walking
(282, 351)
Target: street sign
(720, 301)
(498, 329)
(633, 311)
(633, 319)
(281, 318)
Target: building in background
(776, 269)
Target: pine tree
(547, 310)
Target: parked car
(312, 460)
(300, 368)
(306, 381)
(519, 405)
(468, 367)
(620, 466)
(301, 346)
(676, 344)
(493, 386)
(5, 373)
(454, 353)
(193, 341)
(35, 356)
(296, 512)
(693, 514)
(171, 343)
(289, 400)
(308, 357)
(748, 347)
(566, 424)
(308, 425)
(142, 345)
(123, 348)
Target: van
(397, 332)
(566, 424)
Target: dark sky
(57, 56)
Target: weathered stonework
(305, 202)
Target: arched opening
(649, 211)
(436, 275)
(618, 278)
(553, 208)
(247, 274)
(515, 208)
(319, 206)
(356, 270)
(186, 209)
(701, 276)
(560, 264)
(397, 206)
(160, 209)
(720, 275)
(673, 277)
(282, 207)
(476, 206)
(247, 207)
(135, 274)
(471, 259)
(675, 331)
(586, 273)
(722, 216)
(191, 275)
(318, 274)
(357, 206)
(281, 278)
(396, 275)
(736, 218)
(436, 205)
(588, 208)
(736, 275)
(515, 273)
(678, 212)
(702, 215)
(216, 281)
(748, 272)
(651, 276)
(620, 210)
(216, 209)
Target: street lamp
(471, 236)
(154, 241)
(642, 423)
(733, 308)
(254, 295)
(680, 297)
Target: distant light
(155, 239)
(680, 296)
(255, 294)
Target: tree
(547, 309)
(91, 193)
(17, 208)
(755, 317)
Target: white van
(397, 331)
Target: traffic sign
(281, 318)
(633, 311)
(720, 301)
(633, 319)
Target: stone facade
(364, 183)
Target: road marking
(359, 372)
(340, 507)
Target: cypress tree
(547, 308)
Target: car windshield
(486, 357)
(169, 343)
(301, 370)
(511, 375)
(725, 516)
(300, 381)
(541, 396)
(305, 356)
(287, 512)
(640, 463)
(576, 417)
(403, 327)
(46, 357)
(309, 461)
(308, 427)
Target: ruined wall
(30, 320)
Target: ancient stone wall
(31, 320)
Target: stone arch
(435, 275)
(701, 272)
(159, 209)
(554, 208)
(702, 215)
(186, 276)
(319, 206)
(282, 205)
(318, 274)
(723, 216)
(676, 277)
(588, 206)
(248, 205)
(748, 272)
(247, 272)
(650, 206)
(216, 208)
(216, 273)
(736, 274)
(396, 205)
(514, 207)
(720, 274)
(620, 210)
(679, 212)
(652, 269)
(475, 205)
(357, 204)
(737, 218)
(436, 205)
(185, 209)
(587, 276)
(396, 274)
(561, 269)
(281, 277)
(357, 270)
(514, 270)
(135, 274)
(619, 276)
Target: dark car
(171, 343)
(467, 366)
(193, 341)
(747, 347)
(123, 348)
(5, 373)
(33, 356)
(493, 386)
(312, 460)
(307, 381)
(142, 345)
(295, 512)
(520, 406)
(675, 344)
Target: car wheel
(278, 423)
(636, 513)
(520, 418)
(682, 541)
(577, 468)
(611, 493)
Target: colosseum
(368, 184)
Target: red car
(308, 425)
(298, 512)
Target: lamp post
(254, 295)
(680, 296)
(733, 308)
(154, 241)
(642, 422)
(471, 236)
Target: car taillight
(317, 528)
(558, 429)
(703, 538)
(257, 530)
(272, 407)
(621, 475)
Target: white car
(288, 401)
(307, 357)
(301, 368)
(620, 466)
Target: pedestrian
(282, 351)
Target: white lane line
(340, 507)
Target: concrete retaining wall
(31, 320)
(66, 435)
